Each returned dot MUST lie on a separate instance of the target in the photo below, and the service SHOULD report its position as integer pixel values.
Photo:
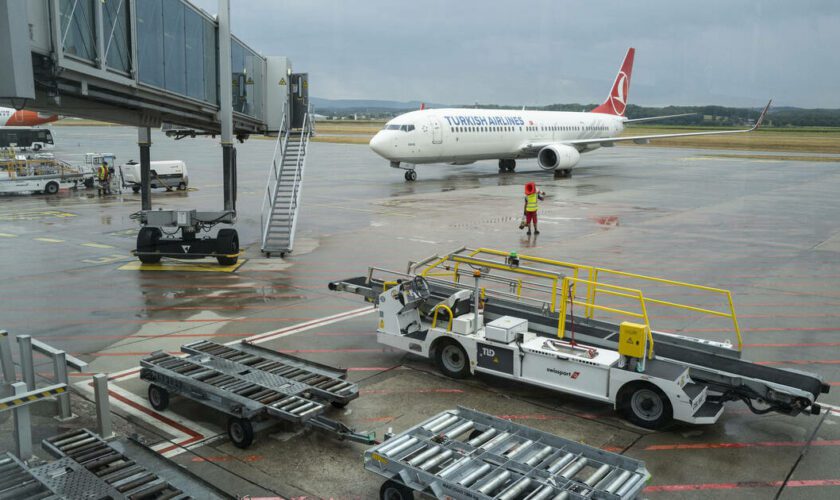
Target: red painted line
(309, 324)
(295, 351)
(799, 344)
(833, 383)
(347, 334)
(413, 391)
(801, 362)
(761, 330)
(671, 488)
(228, 458)
(125, 353)
(181, 444)
(378, 419)
(760, 444)
(371, 368)
(194, 436)
(532, 417)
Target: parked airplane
(10, 117)
(556, 138)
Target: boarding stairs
(283, 189)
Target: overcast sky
(537, 52)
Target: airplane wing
(532, 149)
(655, 118)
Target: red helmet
(530, 188)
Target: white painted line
(207, 435)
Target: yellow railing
(578, 274)
(568, 297)
(447, 309)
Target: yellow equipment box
(632, 339)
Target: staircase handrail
(271, 187)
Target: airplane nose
(379, 145)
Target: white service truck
(169, 174)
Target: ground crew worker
(103, 174)
(532, 195)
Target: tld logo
(486, 351)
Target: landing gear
(507, 165)
(563, 173)
(410, 175)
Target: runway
(768, 230)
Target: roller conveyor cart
(254, 386)
(692, 377)
(466, 454)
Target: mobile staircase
(284, 186)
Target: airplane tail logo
(616, 102)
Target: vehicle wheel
(645, 405)
(338, 404)
(147, 241)
(158, 397)
(51, 188)
(89, 182)
(182, 186)
(36, 147)
(452, 360)
(392, 490)
(241, 432)
(512, 165)
(136, 189)
(227, 242)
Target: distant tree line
(705, 115)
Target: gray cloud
(544, 51)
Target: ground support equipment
(253, 385)
(659, 377)
(158, 239)
(86, 466)
(464, 453)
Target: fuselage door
(437, 131)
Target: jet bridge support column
(144, 140)
(226, 108)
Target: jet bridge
(144, 64)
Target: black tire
(36, 147)
(240, 432)
(147, 241)
(182, 186)
(392, 490)
(339, 404)
(410, 175)
(158, 397)
(136, 189)
(89, 182)
(512, 165)
(645, 405)
(51, 188)
(451, 359)
(227, 242)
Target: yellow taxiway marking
(107, 259)
(7, 235)
(96, 245)
(177, 265)
(13, 216)
(48, 240)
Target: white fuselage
(460, 135)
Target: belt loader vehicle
(514, 317)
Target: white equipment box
(504, 329)
(465, 323)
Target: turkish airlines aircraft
(10, 117)
(460, 136)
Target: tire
(51, 188)
(452, 360)
(147, 241)
(36, 147)
(410, 175)
(136, 189)
(338, 404)
(512, 165)
(392, 490)
(182, 186)
(89, 182)
(645, 405)
(240, 432)
(158, 397)
(227, 242)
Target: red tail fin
(617, 100)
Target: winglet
(762, 115)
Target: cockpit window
(404, 128)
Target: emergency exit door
(437, 132)
(298, 98)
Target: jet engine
(558, 157)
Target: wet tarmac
(767, 230)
